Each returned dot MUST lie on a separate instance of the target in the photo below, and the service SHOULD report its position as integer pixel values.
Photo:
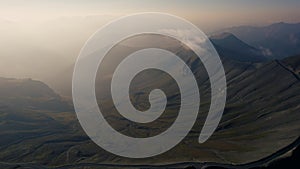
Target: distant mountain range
(227, 45)
(243, 44)
(277, 41)
(39, 128)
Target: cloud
(266, 51)
(192, 39)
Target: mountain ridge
(279, 40)
(228, 45)
(28, 93)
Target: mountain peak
(280, 23)
(229, 40)
(25, 88)
(28, 93)
(283, 24)
(223, 35)
(231, 46)
(279, 39)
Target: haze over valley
(258, 43)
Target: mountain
(32, 115)
(229, 45)
(278, 40)
(31, 94)
(25, 88)
(293, 63)
(257, 118)
(243, 44)
(261, 116)
(291, 162)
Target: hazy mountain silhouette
(31, 94)
(38, 127)
(278, 40)
(229, 45)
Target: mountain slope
(28, 93)
(293, 63)
(278, 40)
(260, 118)
(230, 46)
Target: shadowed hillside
(278, 40)
(262, 107)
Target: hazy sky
(225, 12)
(41, 38)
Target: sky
(208, 15)
(41, 38)
(214, 12)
